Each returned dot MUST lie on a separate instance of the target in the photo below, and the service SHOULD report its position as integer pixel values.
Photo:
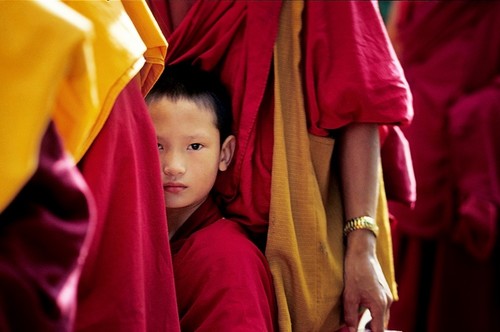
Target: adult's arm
(365, 284)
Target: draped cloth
(26, 110)
(126, 42)
(447, 247)
(77, 84)
(127, 280)
(305, 242)
(56, 111)
(43, 242)
(46, 209)
(236, 39)
(221, 36)
(223, 281)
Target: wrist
(360, 223)
(360, 242)
(361, 233)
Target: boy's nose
(173, 170)
(173, 165)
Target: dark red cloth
(42, 244)
(475, 151)
(222, 279)
(397, 166)
(348, 76)
(236, 39)
(127, 282)
(431, 35)
(450, 51)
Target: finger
(378, 320)
(388, 312)
(351, 316)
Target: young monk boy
(222, 279)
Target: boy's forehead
(200, 104)
(182, 111)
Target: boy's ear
(227, 152)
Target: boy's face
(190, 151)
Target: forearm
(359, 162)
(364, 282)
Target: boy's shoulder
(224, 235)
(220, 272)
(225, 241)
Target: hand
(365, 285)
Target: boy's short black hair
(185, 81)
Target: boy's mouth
(174, 187)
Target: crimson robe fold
(446, 248)
(43, 234)
(127, 280)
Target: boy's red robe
(222, 279)
(446, 249)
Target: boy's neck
(176, 217)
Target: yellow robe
(45, 46)
(122, 30)
(305, 240)
(67, 62)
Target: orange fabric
(118, 54)
(151, 35)
(60, 88)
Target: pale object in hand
(365, 319)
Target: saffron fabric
(118, 56)
(305, 245)
(46, 209)
(156, 45)
(446, 248)
(62, 64)
(89, 54)
(222, 279)
(82, 81)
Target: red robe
(222, 279)
(236, 39)
(446, 248)
(42, 244)
(127, 280)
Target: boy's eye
(160, 147)
(195, 146)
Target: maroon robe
(222, 279)
(446, 248)
(42, 244)
(236, 39)
(127, 282)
